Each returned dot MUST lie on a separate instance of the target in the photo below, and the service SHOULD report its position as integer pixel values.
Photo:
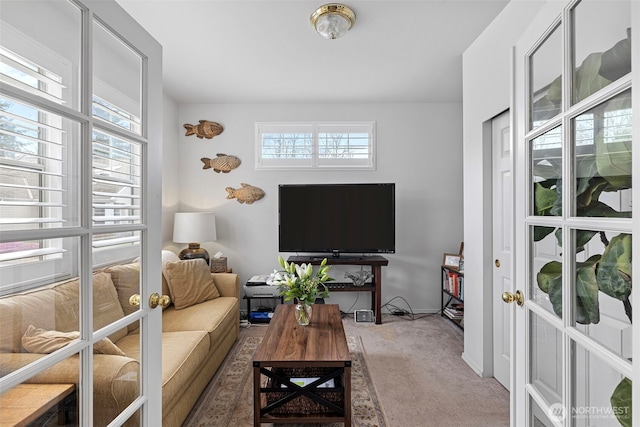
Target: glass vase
(303, 313)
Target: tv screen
(337, 218)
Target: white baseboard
(472, 365)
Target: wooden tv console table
(375, 261)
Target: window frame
(316, 161)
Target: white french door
(80, 159)
(577, 117)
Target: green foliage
(621, 402)
(608, 168)
(299, 282)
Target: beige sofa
(195, 338)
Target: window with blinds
(315, 145)
(40, 186)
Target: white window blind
(39, 169)
(315, 145)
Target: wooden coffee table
(314, 355)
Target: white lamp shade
(189, 227)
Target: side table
(26, 403)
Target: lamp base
(194, 251)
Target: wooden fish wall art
(221, 163)
(205, 129)
(246, 194)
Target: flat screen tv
(337, 218)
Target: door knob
(497, 262)
(156, 300)
(508, 297)
(134, 300)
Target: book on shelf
(451, 314)
(453, 283)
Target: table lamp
(193, 228)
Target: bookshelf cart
(452, 295)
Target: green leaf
(540, 232)
(587, 78)
(621, 402)
(549, 273)
(614, 269)
(587, 306)
(550, 281)
(544, 199)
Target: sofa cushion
(215, 316)
(57, 306)
(183, 353)
(167, 256)
(126, 279)
(38, 340)
(190, 282)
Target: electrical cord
(400, 312)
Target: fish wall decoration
(221, 163)
(205, 129)
(246, 194)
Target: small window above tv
(315, 145)
(337, 218)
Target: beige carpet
(228, 399)
(419, 376)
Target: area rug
(228, 399)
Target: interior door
(502, 242)
(574, 221)
(80, 156)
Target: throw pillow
(167, 256)
(126, 279)
(190, 282)
(37, 340)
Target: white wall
(170, 169)
(419, 148)
(486, 83)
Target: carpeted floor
(228, 399)
(418, 375)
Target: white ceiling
(264, 51)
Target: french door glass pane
(546, 173)
(546, 270)
(117, 85)
(601, 395)
(117, 179)
(603, 289)
(28, 264)
(39, 167)
(546, 359)
(126, 386)
(602, 144)
(602, 45)
(34, 61)
(541, 418)
(545, 71)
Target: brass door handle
(497, 262)
(518, 297)
(134, 300)
(154, 300)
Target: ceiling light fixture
(333, 20)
